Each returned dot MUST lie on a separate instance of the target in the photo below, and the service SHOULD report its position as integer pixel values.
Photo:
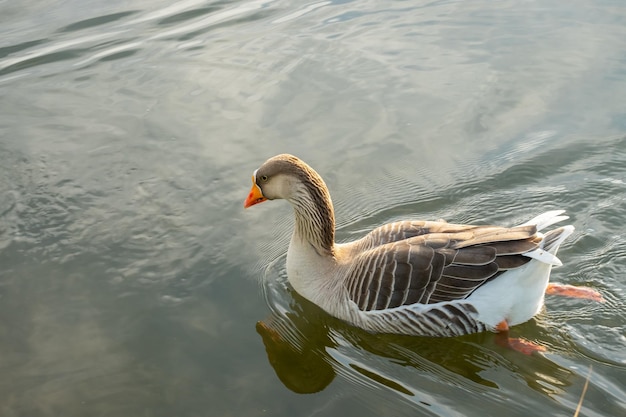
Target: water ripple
(118, 35)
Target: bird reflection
(301, 367)
(303, 344)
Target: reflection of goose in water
(308, 349)
(414, 277)
(298, 363)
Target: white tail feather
(544, 256)
(563, 233)
(548, 254)
(546, 219)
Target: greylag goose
(426, 278)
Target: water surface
(132, 282)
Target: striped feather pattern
(444, 320)
(436, 262)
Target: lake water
(133, 283)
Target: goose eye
(264, 178)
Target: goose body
(427, 278)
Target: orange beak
(255, 196)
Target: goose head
(278, 178)
(288, 177)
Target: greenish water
(132, 282)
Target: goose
(420, 278)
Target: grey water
(133, 282)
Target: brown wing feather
(437, 262)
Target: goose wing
(441, 264)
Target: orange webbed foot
(520, 345)
(585, 293)
(525, 346)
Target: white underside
(515, 296)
